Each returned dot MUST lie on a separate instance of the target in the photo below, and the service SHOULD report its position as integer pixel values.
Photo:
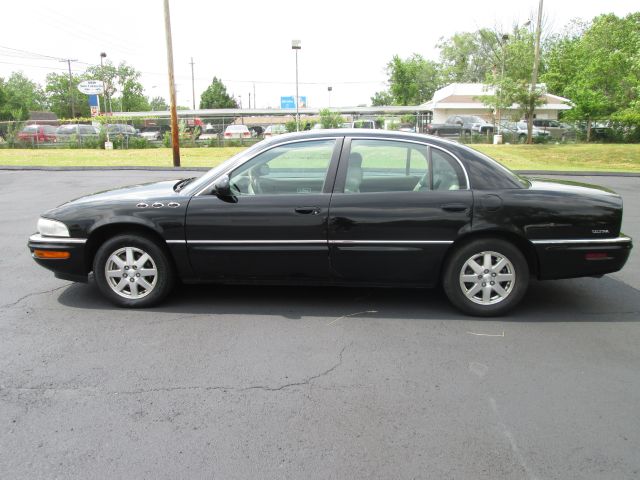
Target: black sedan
(340, 207)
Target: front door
(397, 207)
(275, 225)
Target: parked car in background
(237, 131)
(554, 128)
(38, 134)
(460, 124)
(75, 133)
(518, 131)
(340, 207)
(122, 129)
(155, 132)
(407, 127)
(364, 123)
(272, 130)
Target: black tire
(142, 291)
(457, 289)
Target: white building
(464, 99)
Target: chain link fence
(216, 131)
(193, 131)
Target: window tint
(295, 168)
(385, 166)
(447, 173)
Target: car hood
(145, 191)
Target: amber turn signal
(51, 254)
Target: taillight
(246, 134)
(227, 134)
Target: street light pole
(297, 45)
(193, 87)
(329, 89)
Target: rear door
(397, 207)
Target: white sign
(91, 87)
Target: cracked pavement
(268, 382)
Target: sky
(345, 44)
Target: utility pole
(71, 95)
(175, 140)
(249, 100)
(193, 88)
(254, 94)
(534, 75)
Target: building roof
(464, 96)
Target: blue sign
(93, 101)
(290, 102)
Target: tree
(381, 99)
(216, 96)
(469, 57)
(23, 94)
(598, 68)
(511, 79)
(329, 119)
(158, 104)
(123, 80)
(414, 80)
(57, 92)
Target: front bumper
(581, 257)
(73, 268)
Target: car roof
(365, 133)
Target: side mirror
(222, 187)
(459, 123)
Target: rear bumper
(581, 257)
(72, 268)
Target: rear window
(237, 128)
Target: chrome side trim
(257, 242)
(316, 242)
(391, 242)
(582, 240)
(37, 238)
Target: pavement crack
(266, 388)
(32, 294)
(306, 381)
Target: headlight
(52, 228)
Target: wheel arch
(525, 246)
(106, 231)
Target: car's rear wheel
(133, 271)
(486, 277)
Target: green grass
(150, 157)
(597, 157)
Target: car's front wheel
(133, 271)
(486, 277)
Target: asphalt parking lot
(256, 382)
